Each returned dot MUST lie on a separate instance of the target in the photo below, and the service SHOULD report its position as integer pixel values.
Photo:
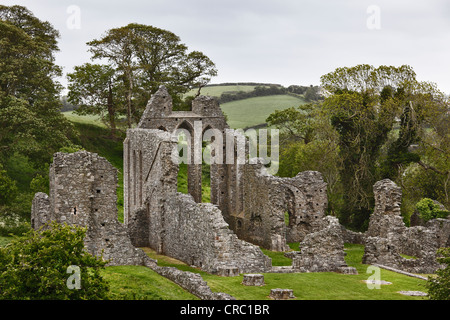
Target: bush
(12, 224)
(36, 266)
(439, 287)
(428, 209)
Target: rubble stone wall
(387, 237)
(177, 225)
(83, 193)
(322, 250)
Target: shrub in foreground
(439, 287)
(51, 263)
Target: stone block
(281, 294)
(228, 271)
(348, 270)
(253, 280)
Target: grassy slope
(216, 91)
(241, 113)
(254, 111)
(142, 283)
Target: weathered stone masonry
(173, 223)
(387, 236)
(248, 205)
(83, 193)
(244, 198)
(252, 202)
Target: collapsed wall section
(275, 211)
(323, 250)
(387, 237)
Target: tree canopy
(139, 59)
(31, 122)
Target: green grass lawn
(312, 286)
(326, 285)
(254, 111)
(89, 119)
(142, 283)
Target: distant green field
(254, 111)
(216, 91)
(70, 115)
(241, 113)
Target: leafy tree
(30, 118)
(362, 131)
(296, 123)
(145, 57)
(94, 89)
(312, 94)
(32, 127)
(364, 103)
(8, 188)
(439, 286)
(35, 266)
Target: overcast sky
(270, 41)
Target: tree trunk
(111, 113)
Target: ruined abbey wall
(173, 223)
(83, 193)
(388, 237)
(253, 203)
(275, 210)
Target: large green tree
(95, 90)
(364, 103)
(145, 57)
(30, 118)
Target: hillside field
(253, 111)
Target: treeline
(311, 93)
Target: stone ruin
(247, 211)
(83, 193)
(387, 237)
(248, 205)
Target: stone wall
(198, 235)
(322, 250)
(175, 224)
(193, 283)
(387, 237)
(83, 193)
(266, 202)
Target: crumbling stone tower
(83, 193)
(159, 115)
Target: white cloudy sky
(272, 41)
